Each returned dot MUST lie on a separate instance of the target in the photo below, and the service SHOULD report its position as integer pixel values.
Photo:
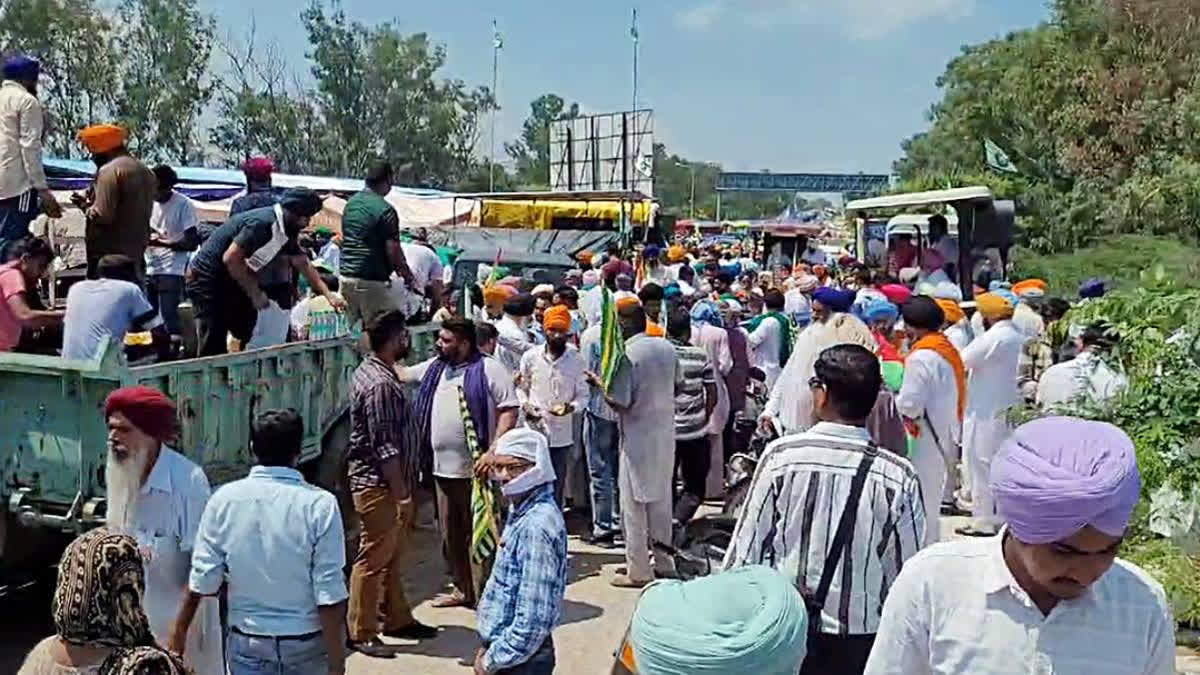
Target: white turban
(947, 290)
(543, 288)
(530, 446)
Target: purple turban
(836, 299)
(1056, 475)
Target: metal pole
(495, 79)
(634, 32)
(692, 201)
(718, 208)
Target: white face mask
(526, 481)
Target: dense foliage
(1124, 260)
(1159, 351)
(1099, 110)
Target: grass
(1120, 261)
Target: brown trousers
(454, 521)
(376, 580)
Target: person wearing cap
(552, 389)
(1049, 594)
(805, 485)
(23, 187)
(157, 496)
(174, 234)
(223, 282)
(1087, 378)
(522, 602)
(259, 191)
(991, 360)
(643, 395)
(329, 253)
(371, 250)
(932, 400)
(120, 201)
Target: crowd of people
(619, 391)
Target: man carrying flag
(641, 388)
(602, 347)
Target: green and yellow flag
(612, 341)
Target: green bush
(1126, 261)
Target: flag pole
(633, 31)
(497, 44)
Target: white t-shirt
(100, 310)
(424, 263)
(168, 222)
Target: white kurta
(165, 518)
(929, 396)
(991, 361)
(1085, 377)
(512, 343)
(960, 334)
(764, 343)
(715, 342)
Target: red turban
(258, 168)
(148, 409)
(896, 294)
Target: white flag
(997, 159)
(497, 41)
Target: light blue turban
(878, 310)
(707, 312)
(748, 621)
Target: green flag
(997, 159)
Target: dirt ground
(595, 616)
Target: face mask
(526, 481)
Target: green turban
(748, 621)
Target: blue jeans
(602, 455)
(541, 663)
(165, 294)
(274, 656)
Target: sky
(783, 85)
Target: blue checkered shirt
(523, 598)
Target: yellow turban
(557, 318)
(953, 312)
(1030, 288)
(676, 254)
(495, 296)
(994, 307)
(100, 138)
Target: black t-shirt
(252, 230)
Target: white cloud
(859, 19)
(700, 17)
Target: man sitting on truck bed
(99, 310)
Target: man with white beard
(156, 496)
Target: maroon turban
(149, 409)
(258, 168)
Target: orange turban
(557, 318)
(100, 138)
(953, 312)
(1030, 288)
(584, 257)
(627, 303)
(676, 254)
(994, 307)
(495, 296)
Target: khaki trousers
(366, 299)
(376, 580)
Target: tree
(531, 152)
(72, 40)
(165, 88)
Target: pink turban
(896, 294)
(1056, 475)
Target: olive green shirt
(368, 224)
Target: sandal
(455, 599)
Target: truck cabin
(984, 227)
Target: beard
(123, 479)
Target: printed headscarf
(101, 585)
(143, 661)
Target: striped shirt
(694, 376)
(378, 424)
(796, 500)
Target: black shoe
(413, 631)
(602, 540)
(373, 648)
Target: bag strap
(845, 526)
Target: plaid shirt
(378, 420)
(523, 598)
